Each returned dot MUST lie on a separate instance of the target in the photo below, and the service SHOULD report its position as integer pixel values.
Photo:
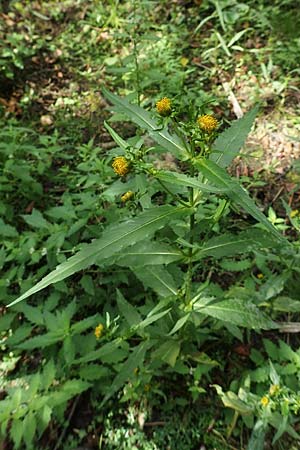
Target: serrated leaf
(120, 141)
(231, 400)
(158, 279)
(36, 220)
(180, 323)
(7, 230)
(43, 340)
(151, 318)
(236, 266)
(128, 311)
(168, 352)
(93, 372)
(127, 370)
(232, 139)
(16, 432)
(286, 304)
(181, 179)
(239, 312)
(29, 428)
(235, 192)
(84, 324)
(114, 238)
(106, 349)
(148, 254)
(143, 119)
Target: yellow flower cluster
(207, 123)
(99, 330)
(127, 196)
(163, 106)
(120, 165)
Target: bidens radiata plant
(170, 240)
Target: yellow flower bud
(207, 123)
(274, 389)
(99, 330)
(120, 165)
(260, 276)
(127, 196)
(163, 106)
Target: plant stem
(135, 53)
(189, 276)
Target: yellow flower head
(127, 196)
(163, 106)
(274, 389)
(264, 401)
(99, 330)
(260, 276)
(120, 165)
(207, 123)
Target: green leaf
(158, 279)
(120, 141)
(232, 139)
(181, 179)
(29, 427)
(231, 400)
(106, 349)
(85, 324)
(127, 370)
(151, 318)
(7, 230)
(235, 192)
(168, 352)
(257, 438)
(148, 254)
(36, 220)
(180, 323)
(115, 238)
(93, 372)
(70, 389)
(230, 244)
(236, 311)
(32, 313)
(16, 432)
(144, 120)
(6, 320)
(128, 311)
(43, 340)
(286, 304)
(236, 266)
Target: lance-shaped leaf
(143, 119)
(230, 244)
(234, 191)
(229, 143)
(114, 239)
(148, 254)
(181, 179)
(126, 372)
(236, 311)
(158, 279)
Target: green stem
(189, 277)
(135, 53)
